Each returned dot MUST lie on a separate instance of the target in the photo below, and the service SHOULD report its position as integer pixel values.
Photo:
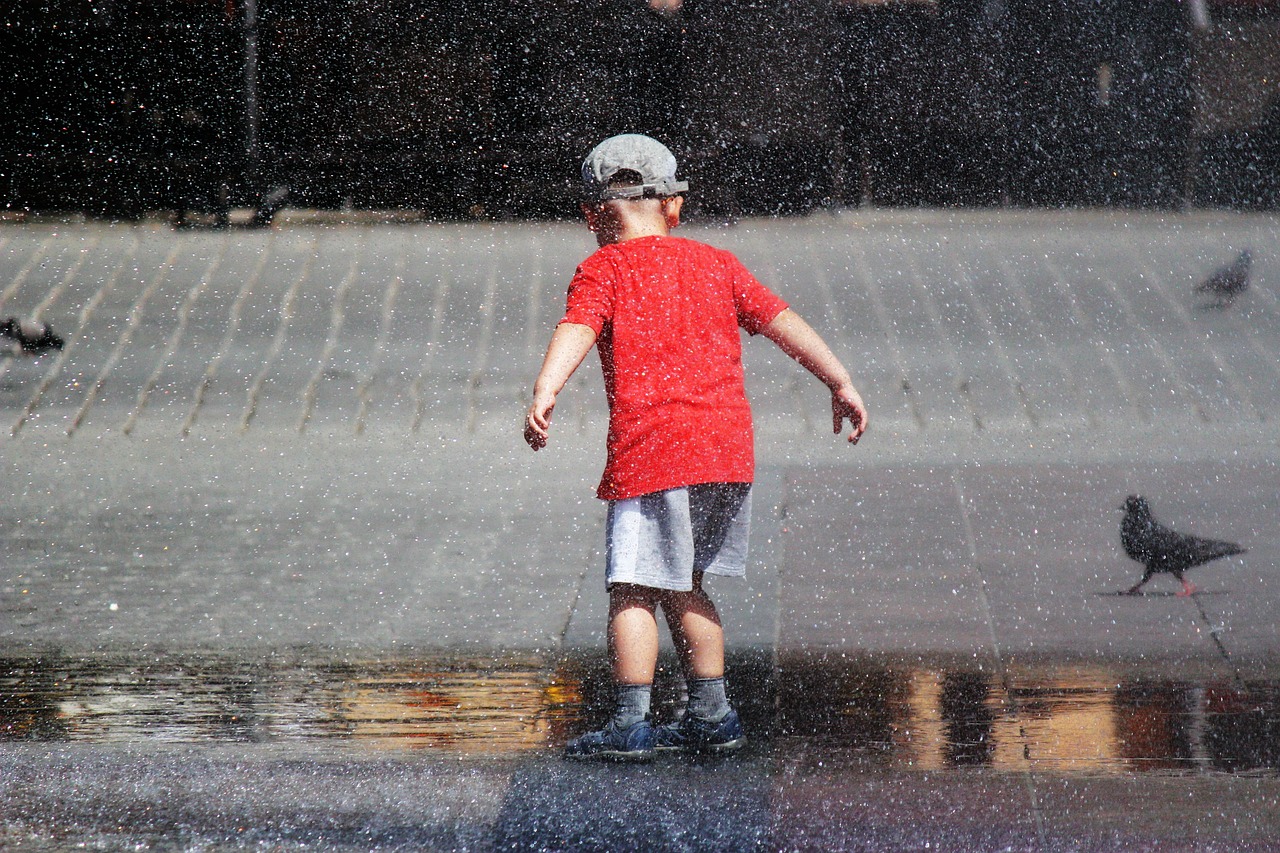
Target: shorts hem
(675, 586)
(655, 583)
(726, 571)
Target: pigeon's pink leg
(1187, 589)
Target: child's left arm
(799, 340)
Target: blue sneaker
(691, 734)
(634, 743)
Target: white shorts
(663, 539)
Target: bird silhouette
(30, 337)
(1227, 282)
(268, 206)
(1160, 549)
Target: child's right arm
(569, 346)
(799, 340)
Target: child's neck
(636, 230)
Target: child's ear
(671, 207)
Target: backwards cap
(644, 155)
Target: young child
(665, 314)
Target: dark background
(484, 108)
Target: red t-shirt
(666, 312)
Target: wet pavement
(875, 712)
(207, 751)
(279, 572)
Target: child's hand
(538, 422)
(845, 403)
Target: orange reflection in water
(1064, 719)
(1063, 724)
(489, 712)
(474, 706)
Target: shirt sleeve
(590, 299)
(757, 305)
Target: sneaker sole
(612, 755)
(727, 746)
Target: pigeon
(1228, 282)
(1160, 549)
(268, 206)
(30, 337)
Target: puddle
(1085, 720)
(458, 704)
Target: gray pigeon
(1160, 549)
(1227, 282)
(30, 337)
(268, 206)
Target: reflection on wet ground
(1079, 719)
(452, 703)
(1064, 720)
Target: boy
(665, 314)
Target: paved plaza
(283, 448)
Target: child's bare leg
(633, 633)
(696, 631)
(699, 640)
(633, 653)
(633, 650)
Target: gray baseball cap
(644, 155)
